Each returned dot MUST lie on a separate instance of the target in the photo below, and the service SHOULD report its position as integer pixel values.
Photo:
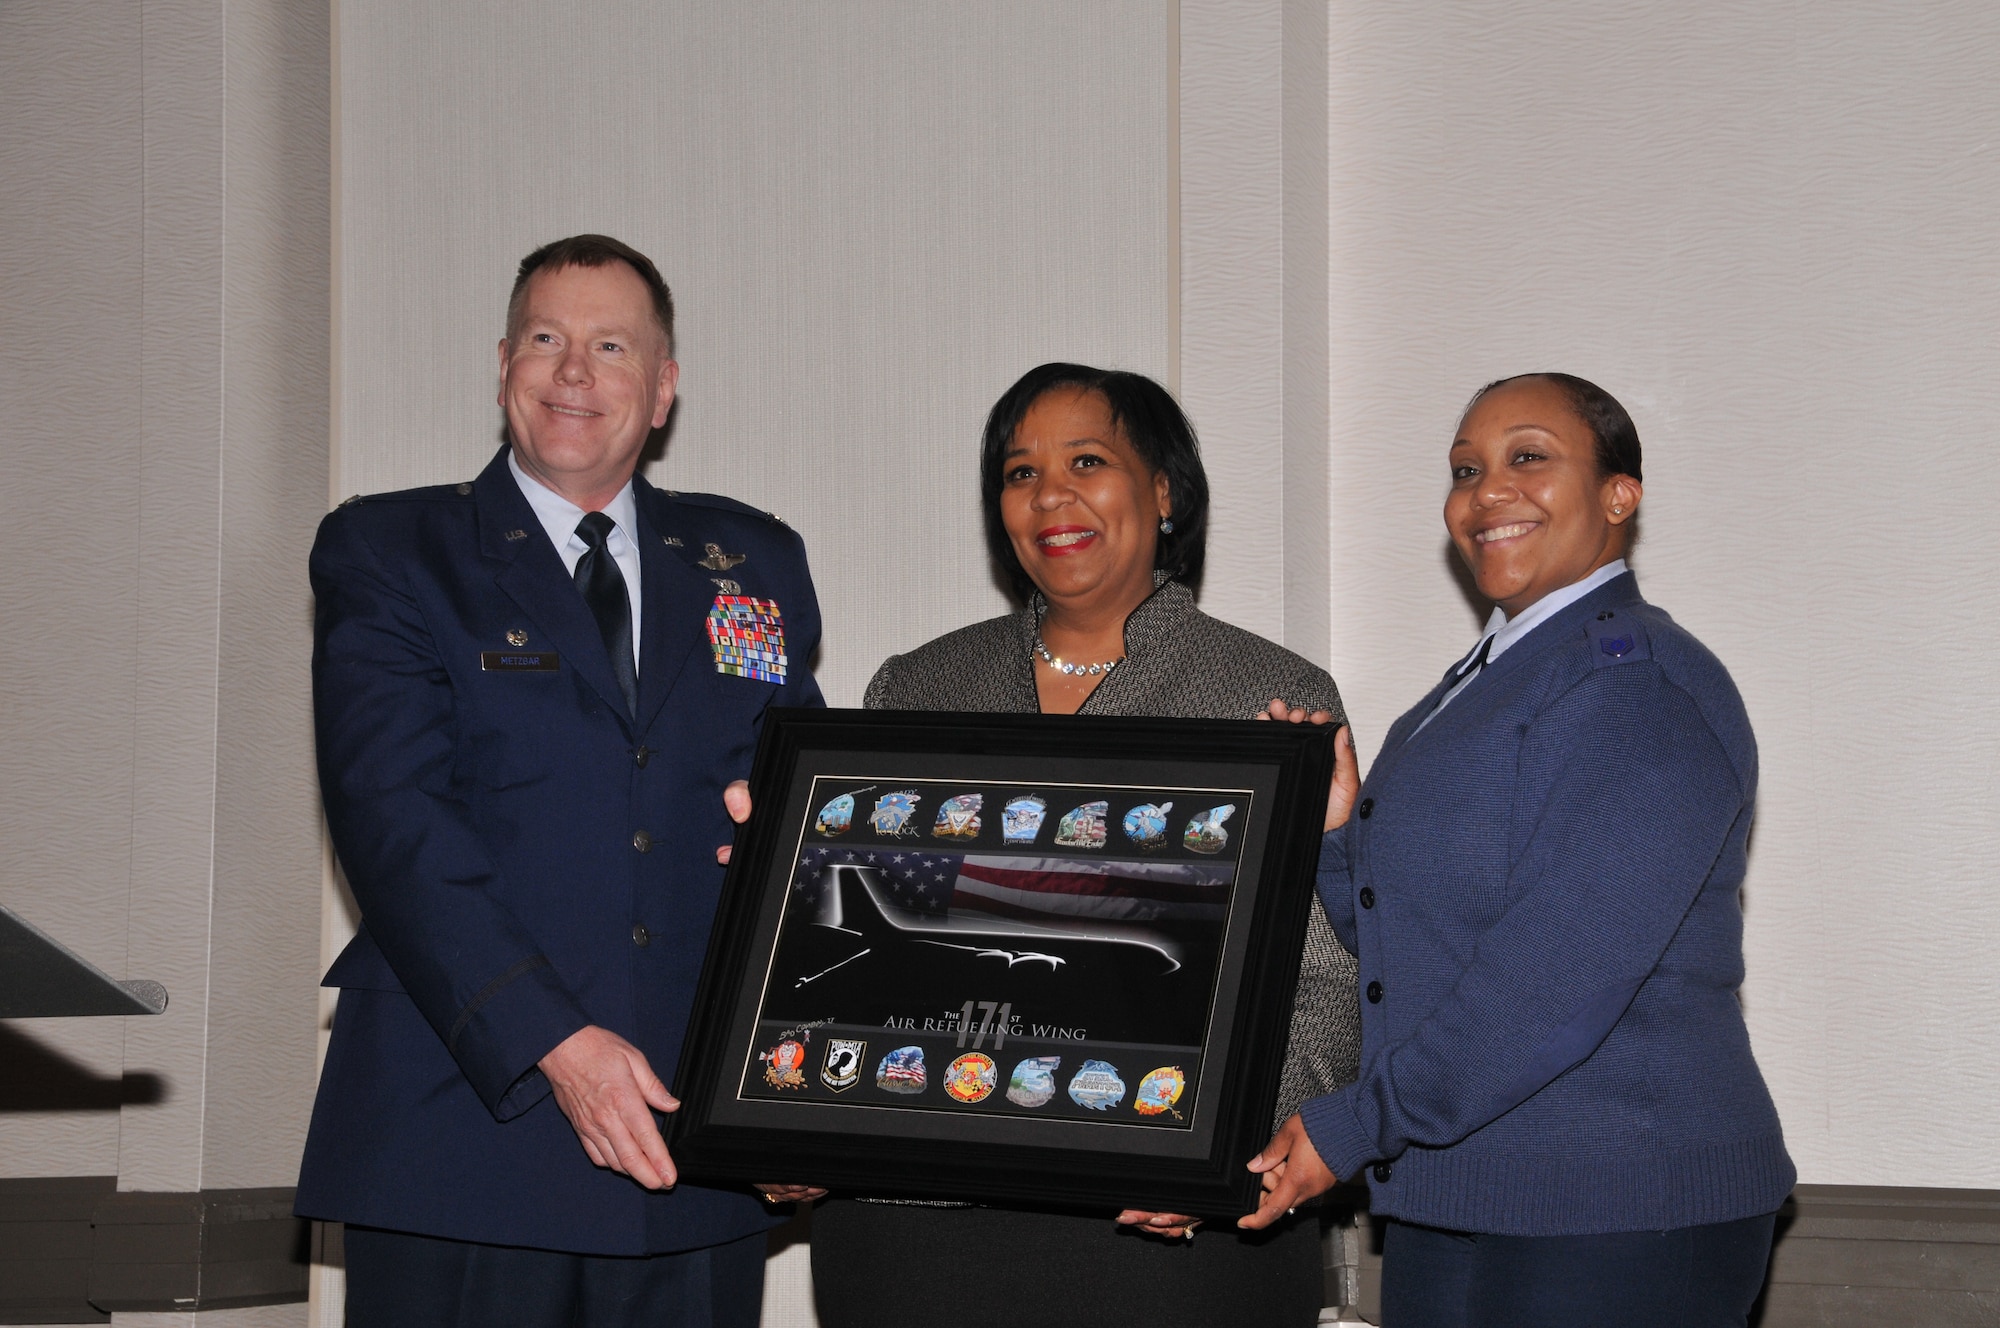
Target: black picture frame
(1179, 945)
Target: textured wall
(874, 217)
(1769, 230)
(165, 239)
(69, 432)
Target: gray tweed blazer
(1179, 664)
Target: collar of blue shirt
(559, 516)
(1505, 631)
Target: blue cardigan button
(1374, 993)
(1367, 897)
(1367, 808)
(1383, 1171)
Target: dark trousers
(399, 1280)
(1691, 1277)
(909, 1266)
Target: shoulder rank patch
(748, 637)
(1616, 639)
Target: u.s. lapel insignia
(717, 560)
(672, 541)
(515, 535)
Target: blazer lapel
(674, 613)
(532, 575)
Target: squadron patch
(840, 1068)
(1033, 1082)
(958, 818)
(893, 812)
(1204, 831)
(1159, 1091)
(748, 637)
(1022, 819)
(1146, 825)
(836, 816)
(1097, 1086)
(1083, 827)
(784, 1065)
(971, 1077)
(901, 1071)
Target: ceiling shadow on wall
(34, 1077)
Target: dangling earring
(1166, 525)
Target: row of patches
(747, 636)
(1097, 1085)
(1021, 821)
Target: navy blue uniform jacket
(507, 833)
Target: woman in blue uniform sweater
(1558, 1110)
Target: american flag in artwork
(1029, 888)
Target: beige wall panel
(1768, 229)
(266, 907)
(1233, 295)
(874, 218)
(180, 475)
(69, 398)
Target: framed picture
(1012, 958)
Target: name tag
(518, 661)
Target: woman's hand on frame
(1170, 1226)
(1346, 770)
(1292, 1172)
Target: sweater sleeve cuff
(1336, 1134)
(1333, 873)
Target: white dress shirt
(1505, 631)
(559, 516)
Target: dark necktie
(603, 587)
(1458, 677)
(1477, 662)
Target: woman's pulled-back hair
(1611, 428)
(1158, 430)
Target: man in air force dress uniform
(531, 691)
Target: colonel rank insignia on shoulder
(748, 637)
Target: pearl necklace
(1090, 670)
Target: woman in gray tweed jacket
(1095, 503)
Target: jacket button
(640, 757)
(1374, 993)
(1367, 897)
(640, 936)
(1367, 808)
(642, 841)
(1383, 1171)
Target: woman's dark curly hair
(1158, 430)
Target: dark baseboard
(1884, 1254)
(73, 1249)
(1845, 1256)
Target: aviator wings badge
(717, 560)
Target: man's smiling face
(584, 377)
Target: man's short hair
(595, 251)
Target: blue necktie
(603, 587)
